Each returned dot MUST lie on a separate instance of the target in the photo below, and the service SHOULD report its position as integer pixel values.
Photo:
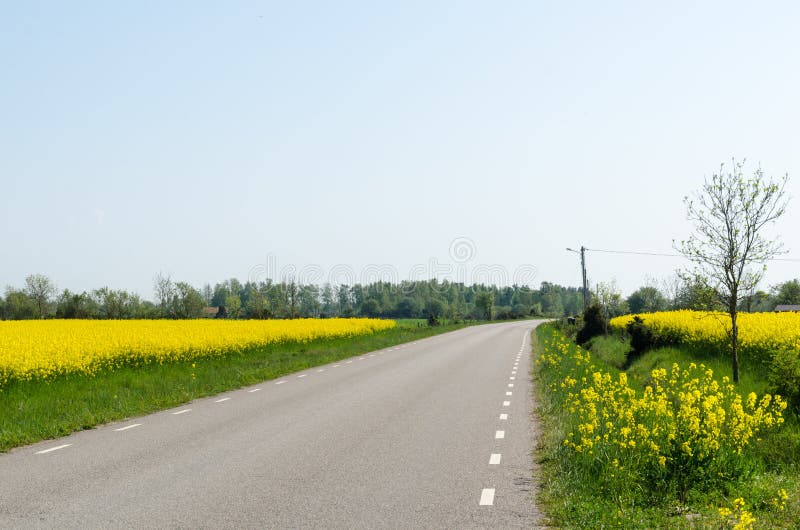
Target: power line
(663, 254)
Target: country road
(431, 434)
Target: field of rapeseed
(42, 349)
(760, 334)
(684, 436)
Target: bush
(594, 324)
(784, 376)
(643, 338)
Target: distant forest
(232, 299)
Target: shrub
(643, 338)
(594, 324)
(784, 376)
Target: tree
(788, 293)
(729, 214)
(484, 304)
(233, 306)
(164, 290)
(187, 302)
(40, 289)
(646, 299)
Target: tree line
(233, 299)
(690, 292)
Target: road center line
(221, 400)
(56, 448)
(301, 375)
(321, 370)
(495, 459)
(503, 416)
(128, 427)
(184, 411)
(487, 497)
(254, 390)
(511, 385)
(506, 403)
(508, 393)
(499, 435)
(280, 382)
(512, 378)
(348, 362)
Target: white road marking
(360, 359)
(128, 427)
(511, 385)
(184, 411)
(348, 362)
(513, 372)
(280, 382)
(221, 400)
(487, 497)
(495, 459)
(301, 375)
(336, 366)
(254, 390)
(56, 448)
(512, 378)
(503, 416)
(372, 355)
(506, 403)
(499, 435)
(321, 370)
(508, 393)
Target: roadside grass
(572, 499)
(40, 410)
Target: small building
(210, 312)
(782, 308)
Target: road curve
(432, 434)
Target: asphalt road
(432, 434)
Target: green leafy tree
(484, 304)
(646, 299)
(729, 214)
(788, 293)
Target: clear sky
(240, 139)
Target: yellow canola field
(40, 349)
(759, 333)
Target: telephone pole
(583, 274)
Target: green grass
(34, 411)
(572, 501)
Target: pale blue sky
(198, 138)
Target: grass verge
(577, 491)
(40, 410)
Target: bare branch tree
(41, 290)
(729, 213)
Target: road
(432, 434)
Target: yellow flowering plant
(685, 429)
(42, 349)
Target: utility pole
(583, 274)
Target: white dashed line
(184, 411)
(503, 416)
(56, 448)
(348, 362)
(508, 393)
(221, 400)
(321, 370)
(253, 390)
(128, 427)
(487, 497)
(512, 378)
(495, 459)
(302, 375)
(511, 385)
(513, 372)
(336, 366)
(506, 403)
(499, 435)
